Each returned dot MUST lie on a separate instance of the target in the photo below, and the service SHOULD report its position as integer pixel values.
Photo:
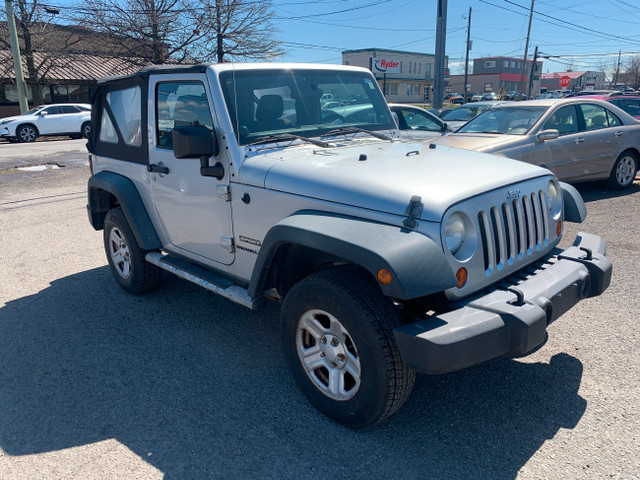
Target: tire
(624, 171)
(27, 133)
(125, 257)
(85, 130)
(338, 341)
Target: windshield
(463, 114)
(33, 110)
(508, 121)
(307, 103)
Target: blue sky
(585, 34)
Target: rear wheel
(125, 257)
(85, 130)
(623, 171)
(337, 336)
(27, 133)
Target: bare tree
(241, 30)
(43, 44)
(149, 31)
(631, 76)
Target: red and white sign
(385, 65)
(565, 81)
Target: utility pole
(466, 60)
(15, 51)
(615, 79)
(534, 70)
(441, 34)
(526, 50)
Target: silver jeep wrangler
(389, 257)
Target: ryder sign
(384, 65)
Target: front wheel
(27, 133)
(623, 171)
(338, 341)
(125, 257)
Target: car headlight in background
(554, 199)
(454, 231)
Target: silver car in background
(577, 139)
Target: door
(193, 210)
(50, 120)
(604, 133)
(72, 118)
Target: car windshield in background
(306, 103)
(508, 121)
(464, 113)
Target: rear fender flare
(127, 195)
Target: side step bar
(206, 279)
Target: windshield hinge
(228, 244)
(414, 209)
(224, 192)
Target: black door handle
(157, 168)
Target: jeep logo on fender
(385, 65)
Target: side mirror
(446, 128)
(550, 134)
(194, 142)
(42, 114)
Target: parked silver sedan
(577, 139)
(457, 117)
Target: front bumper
(512, 318)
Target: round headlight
(454, 232)
(554, 199)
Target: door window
(565, 120)
(180, 104)
(595, 117)
(52, 110)
(416, 120)
(69, 109)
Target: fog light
(384, 276)
(462, 275)
(559, 229)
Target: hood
(383, 176)
(13, 119)
(481, 142)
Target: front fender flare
(416, 262)
(574, 208)
(127, 195)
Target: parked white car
(416, 123)
(72, 119)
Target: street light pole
(526, 49)
(15, 51)
(441, 34)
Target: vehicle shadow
(197, 387)
(592, 191)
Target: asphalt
(180, 384)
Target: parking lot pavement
(179, 383)
(59, 150)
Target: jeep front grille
(513, 231)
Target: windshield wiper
(288, 136)
(337, 131)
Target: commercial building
(403, 76)
(588, 80)
(497, 74)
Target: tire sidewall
(116, 218)
(370, 400)
(85, 129)
(613, 180)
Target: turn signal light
(384, 276)
(559, 229)
(462, 275)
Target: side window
(595, 117)
(69, 109)
(107, 132)
(180, 104)
(126, 106)
(632, 107)
(565, 120)
(52, 110)
(417, 120)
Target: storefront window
(393, 89)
